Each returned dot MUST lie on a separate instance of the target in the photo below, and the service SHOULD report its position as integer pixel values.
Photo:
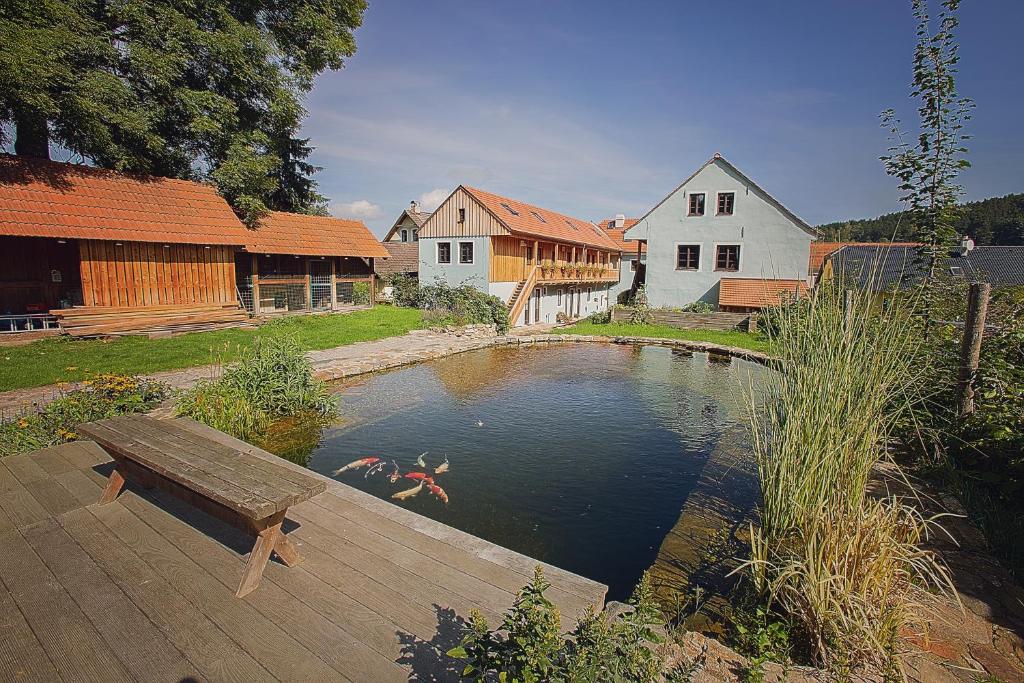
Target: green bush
(600, 318)
(698, 307)
(465, 304)
(405, 289)
(360, 293)
(273, 379)
(527, 647)
(103, 396)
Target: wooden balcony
(566, 274)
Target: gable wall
(772, 246)
(445, 221)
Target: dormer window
(405, 235)
(696, 204)
(726, 201)
(415, 235)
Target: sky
(593, 108)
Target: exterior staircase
(520, 297)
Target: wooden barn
(108, 253)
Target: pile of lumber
(112, 321)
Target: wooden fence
(695, 321)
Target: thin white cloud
(360, 208)
(431, 200)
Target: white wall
(550, 305)
(502, 290)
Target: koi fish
(356, 464)
(408, 493)
(395, 474)
(420, 462)
(422, 476)
(374, 469)
(439, 492)
(443, 467)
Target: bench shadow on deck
(143, 588)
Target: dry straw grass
(846, 568)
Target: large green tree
(200, 89)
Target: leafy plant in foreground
(527, 648)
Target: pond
(581, 455)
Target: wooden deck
(143, 588)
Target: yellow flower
(23, 423)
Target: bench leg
(286, 550)
(114, 486)
(266, 539)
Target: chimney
(620, 220)
(414, 206)
(966, 245)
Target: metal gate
(320, 284)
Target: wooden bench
(237, 487)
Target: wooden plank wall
(445, 221)
(148, 274)
(26, 272)
(507, 263)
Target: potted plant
(547, 267)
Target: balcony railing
(570, 273)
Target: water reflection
(578, 455)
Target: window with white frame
(415, 235)
(688, 257)
(465, 252)
(696, 205)
(727, 257)
(444, 252)
(405, 235)
(726, 202)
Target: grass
(743, 340)
(66, 360)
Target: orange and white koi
(408, 493)
(443, 467)
(422, 476)
(439, 492)
(395, 473)
(355, 464)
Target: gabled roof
(417, 217)
(618, 235)
(526, 219)
(883, 267)
(756, 292)
(813, 232)
(404, 257)
(820, 251)
(40, 198)
(295, 233)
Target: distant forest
(998, 220)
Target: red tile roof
(608, 225)
(404, 258)
(538, 222)
(294, 233)
(757, 293)
(822, 250)
(41, 198)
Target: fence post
(970, 351)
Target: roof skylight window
(571, 224)
(509, 209)
(538, 217)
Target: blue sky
(595, 108)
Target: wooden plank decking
(143, 588)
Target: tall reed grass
(845, 567)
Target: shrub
(102, 396)
(527, 647)
(360, 293)
(846, 569)
(404, 288)
(465, 304)
(641, 314)
(600, 317)
(273, 379)
(698, 307)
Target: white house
(407, 227)
(540, 262)
(721, 238)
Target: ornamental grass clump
(845, 568)
(273, 380)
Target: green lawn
(61, 359)
(745, 340)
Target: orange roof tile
(822, 250)
(295, 233)
(757, 293)
(41, 198)
(617, 235)
(538, 222)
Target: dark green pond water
(581, 455)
